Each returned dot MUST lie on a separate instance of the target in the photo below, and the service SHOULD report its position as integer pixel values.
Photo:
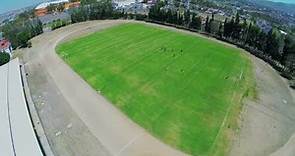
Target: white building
(283, 32)
(46, 4)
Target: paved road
(77, 119)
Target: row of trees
(58, 24)
(22, 29)
(95, 10)
(246, 34)
(289, 53)
(56, 7)
(272, 45)
(27, 26)
(173, 16)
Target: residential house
(5, 46)
(42, 9)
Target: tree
(288, 56)
(252, 34)
(272, 45)
(207, 25)
(244, 31)
(196, 22)
(220, 30)
(237, 20)
(36, 27)
(228, 28)
(155, 11)
(23, 38)
(231, 27)
(169, 16)
(214, 25)
(102, 9)
(22, 28)
(236, 27)
(289, 44)
(290, 63)
(4, 58)
(179, 19)
(51, 8)
(79, 15)
(60, 7)
(87, 2)
(187, 17)
(261, 41)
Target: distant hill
(9, 15)
(284, 7)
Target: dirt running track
(79, 121)
(100, 128)
(269, 122)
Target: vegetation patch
(183, 89)
(4, 58)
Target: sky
(7, 5)
(285, 1)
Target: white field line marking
(241, 74)
(226, 115)
(128, 144)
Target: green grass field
(183, 89)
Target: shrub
(4, 58)
(292, 84)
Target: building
(18, 136)
(283, 32)
(46, 19)
(42, 9)
(5, 46)
(72, 5)
(264, 25)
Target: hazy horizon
(9, 5)
(284, 1)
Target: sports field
(183, 89)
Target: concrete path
(6, 144)
(114, 133)
(17, 132)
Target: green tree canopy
(4, 58)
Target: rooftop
(16, 130)
(4, 44)
(46, 4)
